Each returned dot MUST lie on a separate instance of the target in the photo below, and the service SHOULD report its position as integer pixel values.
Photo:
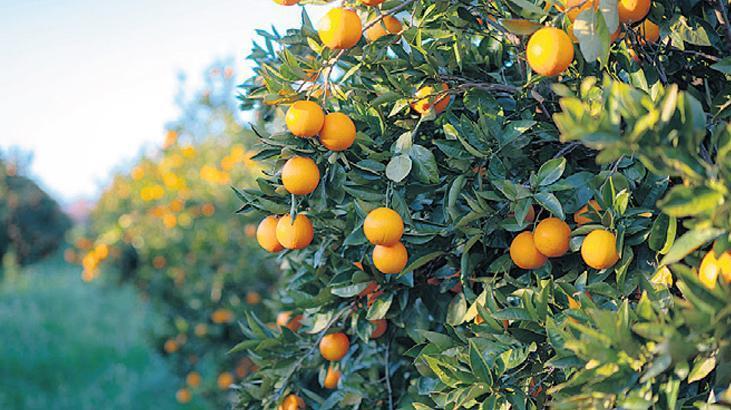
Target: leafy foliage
(640, 127)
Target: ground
(65, 344)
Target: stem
(293, 209)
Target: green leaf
(723, 66)
(701, 368)
(551, 171)
(423, 261)
(551, 203)
(662, 234)
(591, 31)
(349, 291)
(478, 365)
(398, 168)
(689, 242)
(688, 201)
(456, 310)
(425, 164)
(379, 308)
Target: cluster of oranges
(551, 239)
(550, 50)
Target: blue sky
(87, 84)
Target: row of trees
(165, 225)
(555, 178)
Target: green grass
(65, 344)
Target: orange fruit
(287, 2)
(632, 11)
(649, 32)
(253, 297)
(599, 249)
(358, 265)
(389, 25)
(338, 132)
(524, 253)
(531, 216)
(581, 216)
(297, 234)
(390, 259)
(334, 346)
(383, 226)
(283, 320)
(183, 396)
(371, 2)
(340, 28)
(709, 270)
(724, 263)
(427, 96)
(266, 234)
(193, 379)
(304, 119)
(551, 237)
(170, 346)
(574, 7)
(224, 380)
(300, 175)
(331, 378)
(292, 402)
(222, 316)
(381, 326)
(549, 51)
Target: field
(69, 345)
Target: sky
(87, 84)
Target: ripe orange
(390, 259)
(551, 237)
(340, 28)
(266, 234)
(183, 396)
(371, 2)
(524, 253)
(193, 379)
(649, 32)
(383, 226)
(338, 132)
(171, 346)
(358, 265)
(253, 297)
(574, 7)
(331, 378)
(334, 346)
(300, 175)
(292, 402)
(599, 249)
(632, 11)
(283, 320)
(304, 119)
(297, 234)
(426, 97)
(724, 263)
(222, 316)
(381, 326)
(389, 25)
(224, 380)
(581, 216)
(549, 51)
(287, 2)
(709, 270)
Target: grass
(65, 344)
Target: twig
(388, 13)
(314, 346)
(567, 149)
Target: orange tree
(165, 226)
(495, 204)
